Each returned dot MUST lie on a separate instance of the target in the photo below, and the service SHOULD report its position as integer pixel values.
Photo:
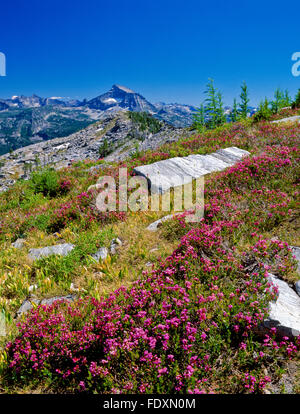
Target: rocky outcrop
(166, 174)
(114, 138)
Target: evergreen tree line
(210, 114)
(281, 100)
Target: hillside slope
(115, 138)
(178, 310)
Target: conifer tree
(264, 112)
(277, 103)
(287, 98)
(296, 103)
(211, 107)
(221, 119)
(243, 106)
(234, 112)
(199, 118)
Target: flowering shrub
(192, 324)
(168, 333)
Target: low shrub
(46, 182)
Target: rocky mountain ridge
(114, 138)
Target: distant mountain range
(27, 120)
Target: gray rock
(289, 119)
(117, 241)
(166, 174)
(296, 254)
(18, 244)
(115, 245)
(158, 223)
(29, 303)
(102, 254)
(60, 249)
(97, 167)
(73, 288)
(284, 313)
(297, 287)
(32, 288)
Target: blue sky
(165, 50)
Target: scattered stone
(32, 288)
(57, 235)
(102, 254)
(173, 172)
(30, 303)
(59, 249)
(117, 241)
(287, 381)
(115, 245)
(62, 146)
(18, 244)
(284, 313)
(73, 288)
(158, 223)
(99, 274)
(97, 167)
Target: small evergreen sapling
(234, 113)
(199, 118)
(296, 103)
(243, 106)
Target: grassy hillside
(187, 323)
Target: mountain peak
(122, 88)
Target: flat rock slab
(289, 119)
(285, 311)
(60, 249)
(166, 174)
(29, 303)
